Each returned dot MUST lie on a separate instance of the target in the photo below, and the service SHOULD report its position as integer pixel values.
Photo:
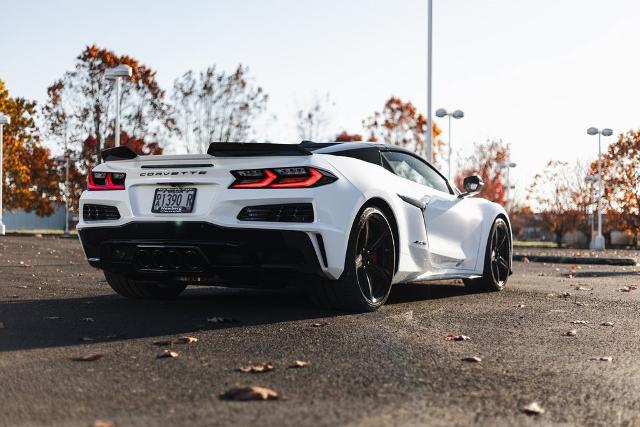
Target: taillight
(292, 177)
(101, 181)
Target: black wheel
(365, 283)
(497, 261)
(142, 290)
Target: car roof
(336, 147)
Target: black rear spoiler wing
(255, 149)
(221, 149)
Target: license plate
(173, 200)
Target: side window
(413, 169)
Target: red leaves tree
(345, 136)
(400, 123)
(81, 102)
(621, 181)
(553, 195)
(485, 162)
(30, 179)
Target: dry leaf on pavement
(582, 288)
(579, 322)
(525, 260)
(167, 353)
(606, 324)
(298, 364)
(319, 324)
(249, 393)
(533, 408)
(103, 423)
(89, 358)
(472, 359)
(257, 369)
(628, 288)
(602, 359)
(187, 340)
(451, 337)
(571, 333)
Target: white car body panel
(446, 239)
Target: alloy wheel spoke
(376, 244)
(369, 285)
(380, 272)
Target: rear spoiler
(255, 149)
(118, 153)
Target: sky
(534, 73)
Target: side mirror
(472, 185)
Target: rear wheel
(497, 262)
(365, 283)
(137, 289)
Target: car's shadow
(45, 323)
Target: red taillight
(104, 181)
(292, 177)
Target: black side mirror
(472, 185)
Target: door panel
(453, 231)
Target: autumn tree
(216, 106)
(345, 136)
(29, 180)
(400, 123)
(621, 181)
(80, 104)
(553, 195)
(311, 122)
(485, 161)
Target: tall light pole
(592, 178)
(429, 136)
(599, 243)
(116, 74)
(4, 120)
(457, 114)
(508, 166)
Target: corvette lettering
(180, 173)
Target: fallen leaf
(451, 337)
(103, 423)
(525, 260)
(298, 364)
(533, 408)
(582, 288)
(319, 324)
(22, 287)
(606, 324)
(519, 306)
(579, 322)
(602, 359)
(257, 369)
(565, 295)
(167, 353)
(187, 340)
(89, 358)
(581, 304)
(472, 359)
(249, 393)
(571, 333)
(628, 288)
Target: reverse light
(291, 177)
(104, 181)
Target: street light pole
(457, 114)
(4, 120)
(429, 135)
(116, 74)
(599, 243)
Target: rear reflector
(291, 177)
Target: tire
(497, 260)
(136, 289)
(370, 262)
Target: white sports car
(344, 220)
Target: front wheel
(497, 260)
(137, 289)
(365, 283)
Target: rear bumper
(202, 252)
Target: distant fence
(21, 220)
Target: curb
(554, 259)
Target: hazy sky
(535, 73)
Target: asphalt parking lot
(391, 367)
